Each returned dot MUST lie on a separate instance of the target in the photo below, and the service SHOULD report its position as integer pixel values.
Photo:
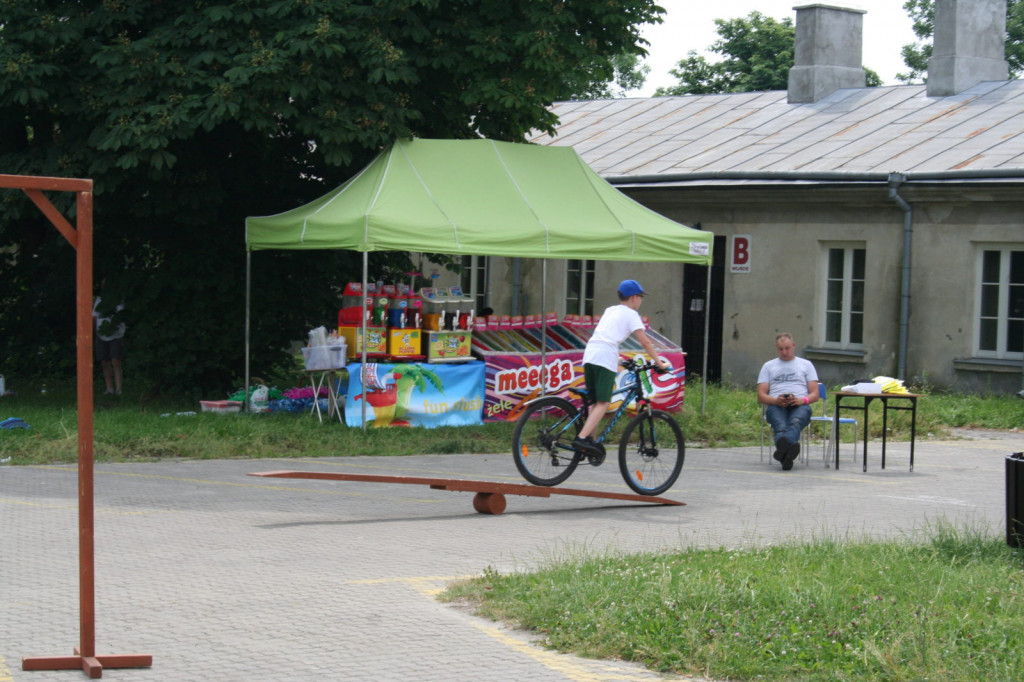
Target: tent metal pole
(248, 307)
(707, 327)
(543, 325)
(362, 307)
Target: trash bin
(1015, 499)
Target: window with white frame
(844, 297)
(579, 287)
(999, 331)
(474, 280)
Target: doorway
(695, 308)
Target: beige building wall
(791, 230)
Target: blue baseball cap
(631, 287)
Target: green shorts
(600, 382)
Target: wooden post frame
(80, 239)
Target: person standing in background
(108, 339)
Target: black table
(886, 398)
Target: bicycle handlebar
(634, 365)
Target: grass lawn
(950, 609)
(130, 428)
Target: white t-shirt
(102, 321)
(615, 326)
(787, 377)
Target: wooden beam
(490, 494)
(55, 217)
(42, 182)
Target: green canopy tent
(478, 197)
(481, 198)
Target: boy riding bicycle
(601, 357)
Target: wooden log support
(490, 495)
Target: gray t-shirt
(787, 377)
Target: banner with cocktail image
(415, 394)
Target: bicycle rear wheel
(651, 452)
(542, 441)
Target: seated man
(787, 385)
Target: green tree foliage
(916, 55)
(609, 79)
(191, 116)
(757, 54)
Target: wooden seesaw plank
(490, 495)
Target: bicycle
(651, 449)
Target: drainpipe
(895, 180)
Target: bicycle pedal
(597, 458)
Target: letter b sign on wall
(739, 256)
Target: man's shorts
(110, 350)
(600, 382)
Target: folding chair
(827, 444)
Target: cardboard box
(376, 340)
(221, 406)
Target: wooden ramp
(490, 496)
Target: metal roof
(857, 130)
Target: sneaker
(790, 455)
(780, 449)
(108, 392)
(585, 445)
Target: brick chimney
(828, 54)
(968, 47)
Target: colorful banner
(514, 380)
(415, 394)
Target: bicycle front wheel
(542, 441)
(651, 452)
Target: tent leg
(707, 327)
(543, 324)
(362, 379)
(248, 304)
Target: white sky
(690, 25)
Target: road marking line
(573, 668)
(569, 665)
(204, 481)
(73, 507)
(931, 498)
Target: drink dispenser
(405, 339)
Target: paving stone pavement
(224, 577)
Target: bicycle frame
(631, 393)
(634, 393)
